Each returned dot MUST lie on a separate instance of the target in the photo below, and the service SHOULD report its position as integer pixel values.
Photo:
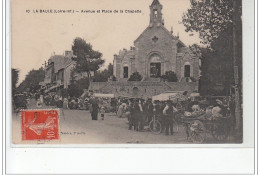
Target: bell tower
(156, 14)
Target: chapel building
(155, 52)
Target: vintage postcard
(126, 72)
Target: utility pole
(238, 117)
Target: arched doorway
(187, 71)
(155, 66)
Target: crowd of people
(64, 102)
(139, 112)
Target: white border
(133, 160)
(248, 95)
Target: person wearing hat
(149, 110)
(168, 114)
(94, 111)
(136, 114)
(132, 114)
(141, 115)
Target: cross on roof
(155, 39)
(155, 2)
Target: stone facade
(58, 72)
(145, 89)
(156, 51)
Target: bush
(193, 79)
(135, 77)
(170, 76)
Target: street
(76, 127)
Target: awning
(51, 88)
(168, 96)
(194, 94)
(164, 96)
(99, 95)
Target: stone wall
(165, 47)
(187, 59)
(141, 89)
(67, 75)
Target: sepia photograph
(126, 72)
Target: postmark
(40, 124)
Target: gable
(185, 52)
(153, 30)
(187, 56)
(155, 2)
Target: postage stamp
(40, 124)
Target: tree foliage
(217, 64)
(77, 87)
(215, 21)
(103, 76)
(32, 80)
(170, 76)
(209, 17)
(135, 77)
(87, 59)
(15, 77)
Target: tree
(196, 50)
(15, 76)
(214, 21)
(77, 87)
(170, 76)
(87, 59)
(135, 77)
(110, 69)
(217, 64)
(103, 76)
(32, 80)
(209, 17)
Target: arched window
(155, 58)
(155, 13)
(187, 71)
(125, 73)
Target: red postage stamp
(40, 124)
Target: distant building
(155, 52)
(58, 72)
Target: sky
(37, 36)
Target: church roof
(162, 27)
(183, 50)
(156, 2)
